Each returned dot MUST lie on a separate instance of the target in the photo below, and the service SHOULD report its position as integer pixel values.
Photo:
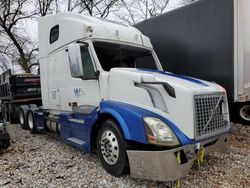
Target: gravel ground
(44, 161)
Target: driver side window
(80, 62)
(87, 64)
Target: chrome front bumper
(164, 166)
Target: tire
(5, 112)
(31, 122)
(4, 140)
(240, 113)
(111, 149)
(244, 114)
(13, 118)
(22, 119)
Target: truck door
(84, 90)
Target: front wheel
(111, 149)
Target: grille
(208, 119)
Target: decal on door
(78, 92)
(53, 95)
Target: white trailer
(104, 90)
(242, 58)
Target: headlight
(159, 133)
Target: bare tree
(3, 62)
(20, 47)
(135, 11)
(97, 8)
(138, 10)
(3, 53)
(44, 7)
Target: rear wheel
(31, 122)
(22, 119)
(12, 114)
(6, 112)
(111, 149)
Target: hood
(164, 93)
(193, 85)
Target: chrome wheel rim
(245, 112)
(21, 117)
(30, 120)
(109, 147)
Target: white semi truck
(104, 91)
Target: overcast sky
(32, 25)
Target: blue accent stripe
(176, 76)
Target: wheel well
(97, 126)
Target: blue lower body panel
(76, 129)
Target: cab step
(76, 141)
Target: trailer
(104, 91)
(16, 90)
(208, 39)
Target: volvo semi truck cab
(104, 91)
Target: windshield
(113, 55)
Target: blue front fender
(130, 119)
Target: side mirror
(75, 60)
(97, 74)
